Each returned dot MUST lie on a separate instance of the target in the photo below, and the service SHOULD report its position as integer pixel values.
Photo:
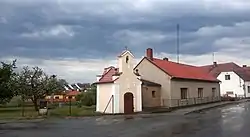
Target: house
(66, 96)
(181, 84)
(235, 80)
(152, 83)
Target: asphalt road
(230, 121)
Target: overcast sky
(76, 39)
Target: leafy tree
(87, 98)
(34, 84)
(6, 84)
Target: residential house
(181, 84)
(152, 83)
(235, 80)
(66, 96)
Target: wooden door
(128, 103)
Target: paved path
(229, 121)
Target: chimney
(149, 53)
(244, 66)
(215, 64)
(165, 59)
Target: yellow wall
(150, 72)
(147, 98)
(192, 89)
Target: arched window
(127, 58)
(153, 94)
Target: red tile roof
(108, 74)
(72, 93)
(183, 71)
(215, 70)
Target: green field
(13, 110)
(29, 112)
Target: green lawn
(29, 112)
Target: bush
(86, 99)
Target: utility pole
(177, 42)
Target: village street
(229, 121)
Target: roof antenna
(177, 43)
(126, 47)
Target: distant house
(235, 80)
(152, 83)
(63, 97)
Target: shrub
(86, 99)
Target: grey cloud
(98, 29)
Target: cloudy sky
(75, 39)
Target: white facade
(110, 96)
(247, 88)
(232, 85)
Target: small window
(213, 92)
(227, 77)
(153, 94)
(184, 93)
(230, 92)
(200, 92)
(56, 97)
(127, 58)
(248, 89)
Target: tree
(6, 84)
(34, 84)
(88, 98)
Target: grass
(29, 112)
(16, 112)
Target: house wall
(247, 83)
(128, 82)
(150, 72)
(103, 95)
(148, 100)
(235, 84)
(192, 86)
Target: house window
(56, 97)
(227, 77)
(248, 89)
(230, 92)
(184, 93)
(200, 92)
(153, 94)
(213, 92)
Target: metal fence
(189, 101)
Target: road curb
(215, 106)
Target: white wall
(246, 85)
(103, 94)
(235, 84)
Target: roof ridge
(178, 63)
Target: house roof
(150, 83)
(73, 93)
(182, 71)
(108, 74)
(216, 69)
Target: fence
(189, 101)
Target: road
(230, 121)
